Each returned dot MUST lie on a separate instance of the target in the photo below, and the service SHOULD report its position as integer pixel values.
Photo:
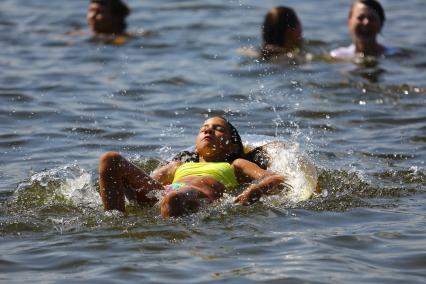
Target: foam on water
(289, 160)
(70, 184)
(299, 170)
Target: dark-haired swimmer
(217, 167)
(365, 21)
(107, 18)
(281, 31)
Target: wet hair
(276, 22)
(373, 4)
(235, 139)
(258, 156)
(186, 156)
(117, 8)
(189, 156)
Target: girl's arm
(166, 173)
(263, 181)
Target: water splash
(289, 160)
(66, 198)
(295, 165)
(65, 185)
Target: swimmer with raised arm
(219, 166)
(365, 21)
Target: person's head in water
(218, 140)
(365, 20)
(281, 29)
(107, 16)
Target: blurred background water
(65, 98)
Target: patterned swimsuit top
(222, 172)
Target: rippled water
(65, 98)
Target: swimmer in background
(281, 32)
(218, 166)
(107, 20)
(365, 21)
(281, 37)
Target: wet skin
(101, 20)
(118, 178)
(364, 24)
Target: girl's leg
(184, 201)
(180, 202)
(119, 178)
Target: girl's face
(364, 23)
(214, 139)
(100, 19)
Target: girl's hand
(268, 185)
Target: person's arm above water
(166, 173)
(263, 182)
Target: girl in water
(365, 21)
(107, 17)
(218, 166)
(281, 37)
(281, 31)
(107, 21)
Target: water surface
(65, 98)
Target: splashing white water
(300, 172)
(71, 182)
(287, 159)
